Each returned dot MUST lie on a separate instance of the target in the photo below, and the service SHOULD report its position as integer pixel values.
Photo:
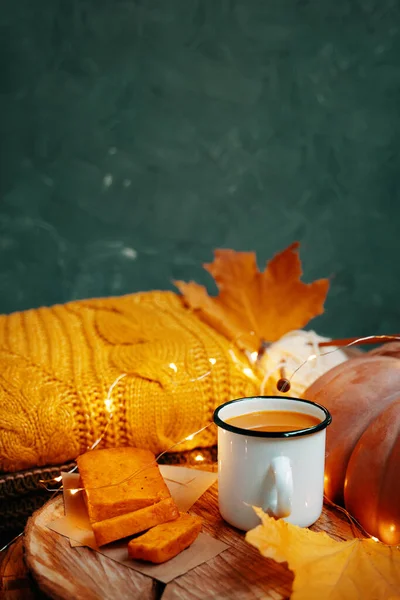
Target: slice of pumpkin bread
(120, 480)
(163, 542)
(131, 523)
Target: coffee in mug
(274, 420)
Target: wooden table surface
(238, 572)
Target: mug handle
(281, 504)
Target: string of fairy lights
(283, 385)
(248, 363)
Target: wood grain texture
(15, 582)
(240, 571)
(66, 573)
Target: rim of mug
(272, 434)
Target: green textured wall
(136, 136)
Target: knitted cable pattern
(57, 364)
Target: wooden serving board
(66, 573)
(15, 583)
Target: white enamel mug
(281, 472)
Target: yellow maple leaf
(325, 569)
(254, 306)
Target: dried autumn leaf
(326, 569)
(255, 306)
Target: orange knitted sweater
(57, 365)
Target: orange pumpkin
(362, 469)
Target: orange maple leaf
(255, 306)
(326, 569)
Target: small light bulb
(199, 458)
(312, 357)
(173, 367)
(188, 438)
(59, 478)
(375, 539)
(254, 356)
(248, 372)
(212, 360)
(73, 492)
(108, 402)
